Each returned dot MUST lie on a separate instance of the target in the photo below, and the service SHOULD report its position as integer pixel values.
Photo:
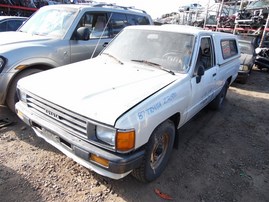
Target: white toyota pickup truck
(119, 112)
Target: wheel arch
(176, 120)
(43, 67)
(229, 80)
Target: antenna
(101, 36)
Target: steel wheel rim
(159, 150)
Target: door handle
(214, 74)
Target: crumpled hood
(245, 59)
(7, 39)
(98, 88)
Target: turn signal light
(99, 160)
(125, 140)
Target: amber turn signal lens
(21, 67)
(99, 160)
(125, 140)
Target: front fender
(7, 77)
(39, 63)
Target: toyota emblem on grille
(52, 114)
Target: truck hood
(98, 88)
(16, 38)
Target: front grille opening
(58, 115)
(65, 143)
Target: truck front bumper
(119, 165)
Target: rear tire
(158, 151)
(219, 100)
(12, 97)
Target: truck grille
(67, 120)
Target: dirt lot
(222, 156)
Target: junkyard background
(221, 156)
(241, 17)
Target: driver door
(203, 90)
(86, 49)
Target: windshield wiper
(154, 64)
(113, 58)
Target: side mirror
(200, 73)
(83, 33)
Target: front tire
(12, 97)
(158, 151)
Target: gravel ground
(221, 156)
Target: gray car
(11, 23)
(58, 35)
(247, 60)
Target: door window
(13, 25)
(228, 48)
(3, 26)
(137, 20)
(206, 56)
(97, 24)
(117, 22)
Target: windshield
(52, 22)
(258, 4)
(246, 48)
(169, 50)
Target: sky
(156, 8)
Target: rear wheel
(158, 151)
(12, 97)
(218, 101)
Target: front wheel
(158, 151)
(12, 97)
